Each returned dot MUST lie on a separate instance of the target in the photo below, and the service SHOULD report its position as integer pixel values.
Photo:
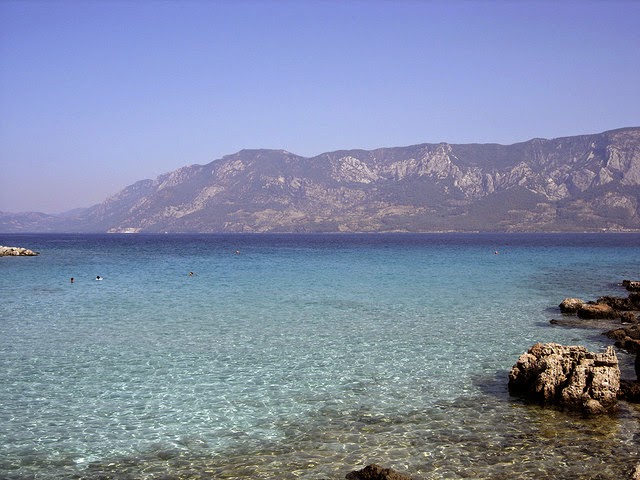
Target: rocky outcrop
(571, 305)
(570, 377)
(626, 338)
(16, 252)
(597, 310)
(631, 285)
(376, 472)
(632, 302)
(605, 307)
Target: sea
(271, 356)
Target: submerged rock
(16, 252)
(376, 472)
(570, 377)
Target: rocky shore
(571, 377)
(16, 252)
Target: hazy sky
(95, 95)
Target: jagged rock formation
(568, 376)
(581, 183)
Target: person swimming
(98, 277)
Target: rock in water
(16, 252)
(597, 311)
(627, 338)
(631, 285)
(570, 377)
(632, 302)
(376, 472)
(571, 305)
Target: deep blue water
(300, 356)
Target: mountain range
(578, 183)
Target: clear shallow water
(301, 357)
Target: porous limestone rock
(16, 251)
(570, 377)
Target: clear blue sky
(95, 95)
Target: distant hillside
(580, 183)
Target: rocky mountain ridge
(579, 183)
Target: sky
(96, 95)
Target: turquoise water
(299, 356)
